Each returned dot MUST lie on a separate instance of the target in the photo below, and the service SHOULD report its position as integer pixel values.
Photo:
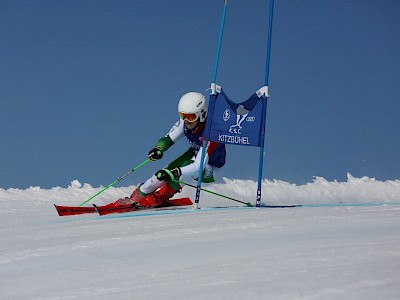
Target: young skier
(159, 188)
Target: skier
(159, 188)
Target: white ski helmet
(193, 106)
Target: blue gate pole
(265, 98)
(203, 152)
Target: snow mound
(319, 191)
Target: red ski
(180, 202)
(111, 208)
(114, 209)
(74, 210)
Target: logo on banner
(241, 116)
(227, 115)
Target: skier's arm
(158, 151)
(190, 170)
(163, 144)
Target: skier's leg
(154, 192)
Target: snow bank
(319, 191)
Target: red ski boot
(136, 196)
(155, 199)
(140, 199)
(163, 194)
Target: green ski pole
(119, 179)
(214, 193)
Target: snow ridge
(319, 191)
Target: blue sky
(88, 87)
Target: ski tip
(57, 209)
(73, 210)
(180, 201)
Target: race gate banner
(236, 123)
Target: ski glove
(168, 175)
(156, 154)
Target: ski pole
(119, 179)
(214, 193)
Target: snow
(326, 249)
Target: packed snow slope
(343, 243)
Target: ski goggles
(189, 117)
